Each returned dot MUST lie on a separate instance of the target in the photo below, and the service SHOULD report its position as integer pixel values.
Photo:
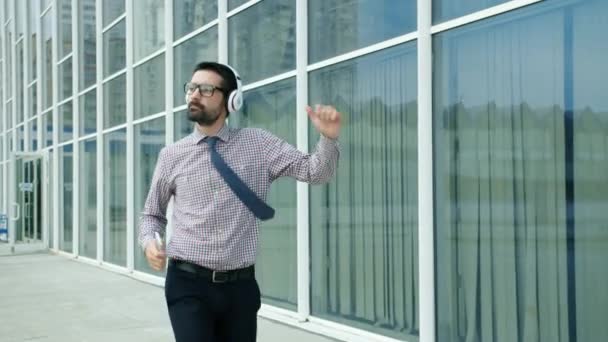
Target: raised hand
(326, 119)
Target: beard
(202, 115)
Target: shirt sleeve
(286, 160)
(153, 217)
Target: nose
(195, 95)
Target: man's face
(206, 110)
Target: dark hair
(228, 77)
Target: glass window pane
(44, 4)
(65, 27)
(273, 108)
(149, 27)
(114, 49)
(337, 27)
(232, 4)
(192, 14)
(33, 127)
(115, 102)
(182, 126)
(88, 198)
(21, 138)
(115, 207)
(9, 115)
(47, 60)
(19, 11)
(33, 17)
(9, 64)
(149, 140)
(65, 79)
(262, 40)
(88, 113)
(87, 56)
(33, 99)
(66, 198)
(47, 129)
(149, 79)
(202, 47)
(66, 122)
(444, 10)
(112, 9)
(365, 221)
(520, 122)
(19, 80)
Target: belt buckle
(222, 279)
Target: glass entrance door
(28, 190)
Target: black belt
(214, 276)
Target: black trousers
(203, 311)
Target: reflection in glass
(364, 223)
(88, 199)
(115, 193)
(192, 15)
(66, 128)
(9, 64)
(521, 187)
(273, 108)
(444, 10)
(114, 49)
(65, 79)
(65, 198)
(9, 115)
(149, 27)
(337, 27)
(112, 9)
(182, 126)
(149, 79)
(232, 4)
(32, 18)
(21, 116)
(202, 47)
(88, 113)
(47, 129)
(87, 56)
(21, 138)
(262, 40)
(33, 128)
(65, 27)
(149, 140)
(47, 60)
(115, 102)
(33, 99)
(44, 5)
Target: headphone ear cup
(235, 101)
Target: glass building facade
(471, 198)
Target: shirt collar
(223, 134)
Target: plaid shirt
(211, 226)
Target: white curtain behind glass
(364, 222)
(503, 270)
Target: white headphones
(235, 98)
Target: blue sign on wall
(3, 227)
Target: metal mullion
(426, 248)
(302, 204)
(99, 117)
(130, 137)
(75, 130)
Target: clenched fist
(326, 120)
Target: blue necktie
(260, 209)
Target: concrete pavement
(47, 298)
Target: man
(219, 177)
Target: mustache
(193, 105)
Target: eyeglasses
(205, 90)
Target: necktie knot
(212, 141)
